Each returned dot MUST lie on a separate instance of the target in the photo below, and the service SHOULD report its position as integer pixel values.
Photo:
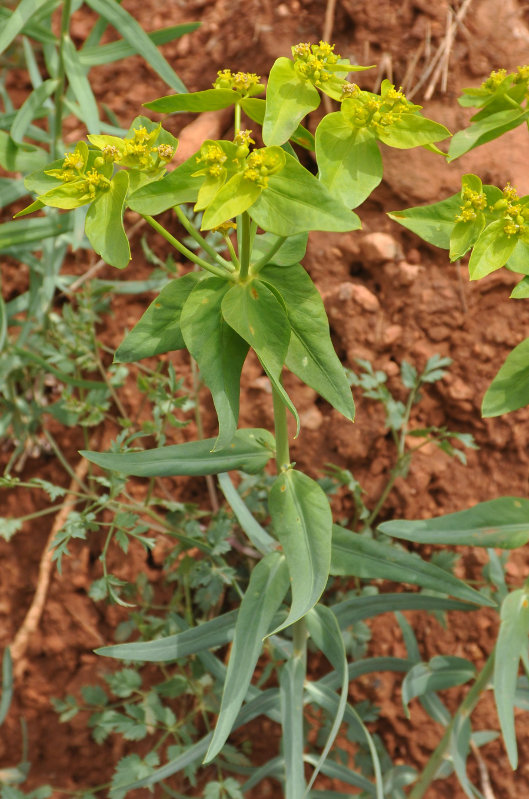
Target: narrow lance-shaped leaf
(266, 590)
(27, 110)
(326, 634)
(213, 633)
(80, 86)
(358, 556)
(302, 521)
(134, 34)
(104, 223)
(250, 451)
(499, 523)
(311, 355)
(510, 388)
(159, 330)
(512, 639)
(217, 348)
(207, 100)
(18, 18)
(256, 314)
(291, 680)
(485, 130)
(441, 672)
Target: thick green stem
(237, 123)
(59, 92)
(465, 709)
(281, 432)
(267, 257)
(215, 270)
(244, 254)
(193, 232)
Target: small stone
(438, 332)
(413, 256)
(359, 294)
(262, 383)
(408, 273)
(391, 335)
(283, 10)
(311, 419)
(380, 247)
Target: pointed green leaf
(359, 556)
(433, 223)
(349, 160)
(208, 100)
(28, 109)
(7, 684)
(210, 634)
(485, 130)
(236, 196)
(257, 534)
(250, 451)
(80, 86)
(510, 388)
(519, 258)
(512, 639)
(311, 355)
(291, 680)
(159, 330)
(295, 202)
(20, 157)
(499, 523)
(104, 223)
(290, 252)
(95, 55)
(18, 18)
(412, 130)
(289, 98)
(134, 34)
(441, 672)
(302, 522)
(255, 313)
(521, 290)
(358, 608)
(326, 634)
(217, 348)
(266, 590)
(26, 231)
(255, 108)
(179, 186)
(491, 251)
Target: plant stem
(237, 124)
(215, 270)
(465, 709)
(281, 432)
(262, 262)
(244, 254)
(191, 229)
(59, 91)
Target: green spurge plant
(260, 297)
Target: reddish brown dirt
(409, 305)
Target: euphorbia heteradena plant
(255, 294)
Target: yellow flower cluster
(364, 109)
(515, 215)
(471, 202)
(262, 163)
(311, 61)
(242, 82)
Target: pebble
(311, 419)
(359, 294)
(380, 247)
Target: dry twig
(31, 621)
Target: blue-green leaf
(249, 451)
(510, 388)
(266, 590)
(302, 520)
(499, 523)
(512, 639)
(217, 348)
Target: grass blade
(80, 86)
(18, 18)
(115, 51)
(133, 33)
